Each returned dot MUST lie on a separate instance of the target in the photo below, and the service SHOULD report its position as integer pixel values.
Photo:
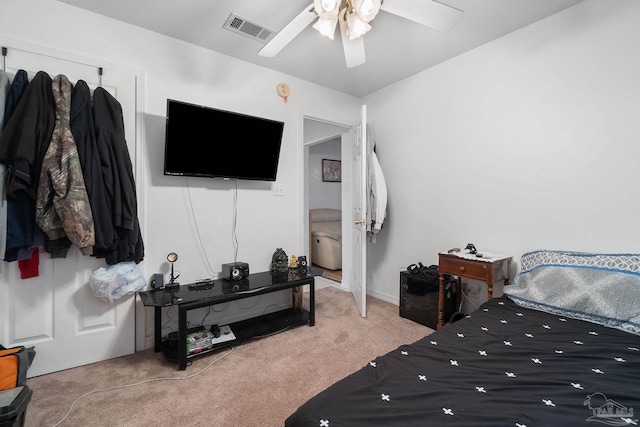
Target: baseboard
(384, 297)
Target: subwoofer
(235, 271)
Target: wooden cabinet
(489, 269)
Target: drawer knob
(462, 269)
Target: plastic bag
(115, 281)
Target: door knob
(359, 221)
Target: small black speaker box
(235, 271)
(157, 281)
(302, 261)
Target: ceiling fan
(353, 17)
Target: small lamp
(172, 285)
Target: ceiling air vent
(239, 25)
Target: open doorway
(323, 195)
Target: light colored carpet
(336, 275)
(259, 383)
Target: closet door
(57, 312)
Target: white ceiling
(395, 47)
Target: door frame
(325, 131)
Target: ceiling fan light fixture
(357, 27)
(326, 27)
(366, 9)
(327, 9)
(354, 16)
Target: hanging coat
(83, 131)
(62, 205)
(376, 191)
(26, 136)
(4, 91)
(29, 119)
(117, 175)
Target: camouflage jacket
(62, 203)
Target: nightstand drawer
(461, 267)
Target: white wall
(528, 142)
(323, 194)
(193, 217)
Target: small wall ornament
(283, 91)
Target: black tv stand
(189, 297)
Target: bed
(561, 347)
(326, 238)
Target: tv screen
(208, 142)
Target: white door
(57, 312)
(358, 282)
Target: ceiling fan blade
(289, 32)
(426, 12)
(353, 49)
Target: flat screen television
(208, 142)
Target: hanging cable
(203, 252)
(141, 383)
(235, 222)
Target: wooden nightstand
(490, 269)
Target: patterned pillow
(599, 288)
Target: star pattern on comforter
(502, 365)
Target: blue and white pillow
(599, 288)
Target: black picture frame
(331, 170)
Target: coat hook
(4, 58)
(100, 76)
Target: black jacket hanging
(117, 174)
(18, 86)
(26, 136)
(83, 131)
(29, 119)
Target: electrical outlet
(278, 189)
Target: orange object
(14, 363)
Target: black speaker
(235, 271)
(157, 281)
(303, 266)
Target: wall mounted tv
(208, 142)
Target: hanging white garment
(376, 191)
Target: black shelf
(268, 324)
(247, 330)
(189, 297)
